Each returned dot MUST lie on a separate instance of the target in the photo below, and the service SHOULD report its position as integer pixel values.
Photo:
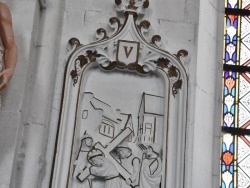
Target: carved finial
(182, 56)
(146, 4)
(181, 53)
(116, 24)
(132, 5)
(74, 41)
(145, 24)
(137, 6)
(114, 20)
(155, 39)
(101, 34)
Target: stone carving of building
(150, 117)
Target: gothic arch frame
(167, 65)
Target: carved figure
(150, 175)
(106, 152)
(7, 42)
(104, 168)
(131, 163)
(81, 162)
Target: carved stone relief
(121, 97)
(122, 143)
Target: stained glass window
(235, 152)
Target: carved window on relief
(123, 114)
(235, 151)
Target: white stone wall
(207, 110)
(182, 24)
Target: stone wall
(207, 109)
(31, 103)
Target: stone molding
(125, 51)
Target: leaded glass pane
(231, 3)
(243, 162)
(243, 180)
(231, 42)
(244, 55)
(235, 156)
(245, 41)
(244, 88)
(245, 27)
(246, 4)
(229, 99)
(244, 98)
(243, 115)
(227, 161)
(243, 148)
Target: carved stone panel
(123, 115)
(122, 98)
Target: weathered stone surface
(181, 24)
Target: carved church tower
(150, 117)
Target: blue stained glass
(231, 148)
(225, 90)
(231, 168)
(232, 6)
(232, 36)
(223, 167)
(227, 39)
(227, 57)
(224, 147)
(225, 109)
(232, 109)
(228, 22)
(234, 57)
(226, 74)
(234, 75)
(233, 92)
(223, 185)
(234, 40)
(235, 23)
(231, 185)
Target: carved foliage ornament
(138, 5)
(81, 61)
(127, 54)
(93, 56)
